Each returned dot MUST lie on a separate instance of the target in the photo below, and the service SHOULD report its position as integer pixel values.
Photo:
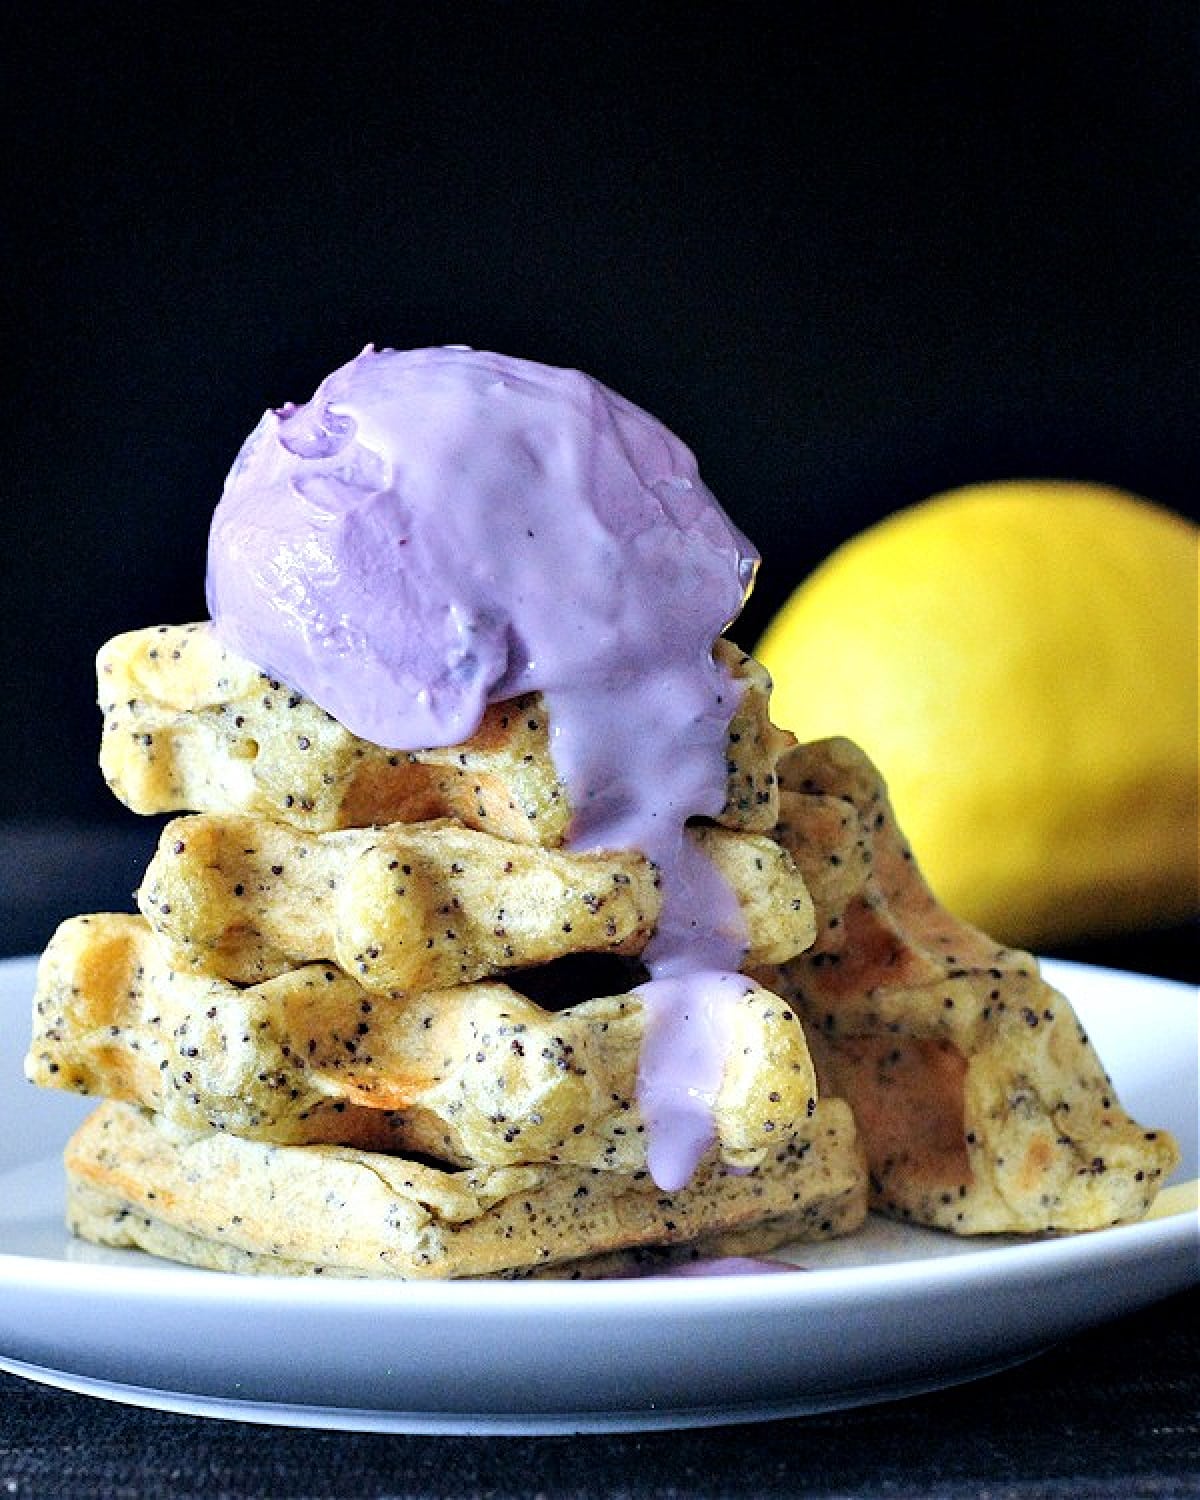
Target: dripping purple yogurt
(440, 529)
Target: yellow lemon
(1019, 658)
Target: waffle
(982, 1104)
(477, 1074)
(190, 726)
(424, 906)
(217, 1201)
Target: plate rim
(1016, 1259)
(1165, 1248)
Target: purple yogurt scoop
(440, 529)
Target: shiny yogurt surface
(440, 529)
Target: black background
(853, 254)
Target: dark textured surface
(1113, 1414)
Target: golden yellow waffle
(190, 726)
(475, 1074)
(426, 905)
(217, 1201)
(981, 1103)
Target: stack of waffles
(374, 1018)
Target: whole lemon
(1020, 660)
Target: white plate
(889, 1312)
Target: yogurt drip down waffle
(497, 917)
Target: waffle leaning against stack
(346, 1033)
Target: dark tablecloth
(1113, 1414)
